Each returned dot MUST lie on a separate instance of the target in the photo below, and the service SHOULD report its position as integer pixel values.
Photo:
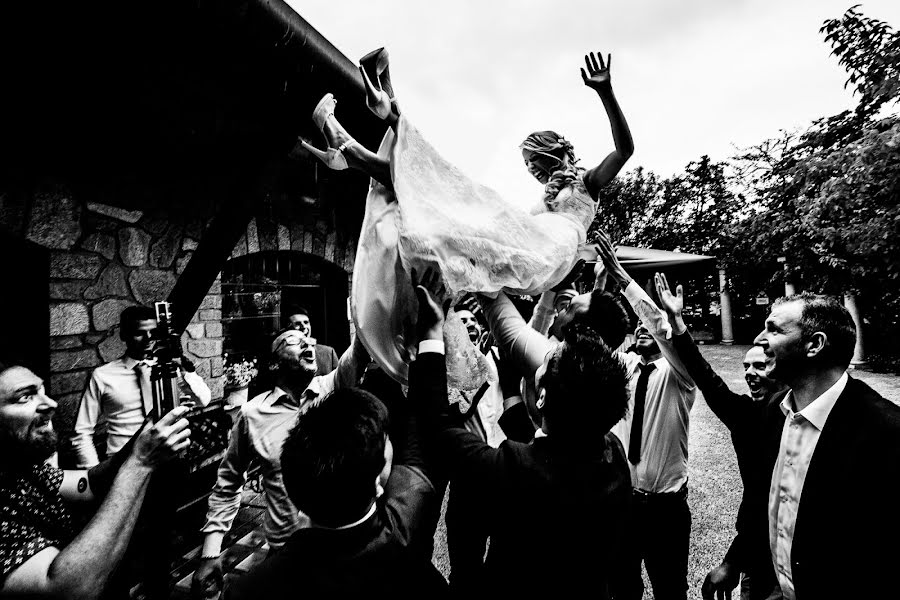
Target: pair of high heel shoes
(373, 67)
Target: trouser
(659, 537)
(466, 539)
(525, 346)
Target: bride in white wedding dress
(423, 212)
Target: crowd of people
(565, 450)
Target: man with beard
(655, 432)
(41, 555)
(739, 413)
(823, 496)
(257, 437)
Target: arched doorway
(258, 287)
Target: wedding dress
(438, 217)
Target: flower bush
(239, 372)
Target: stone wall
(311, 234)
(104, 258)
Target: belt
(645, 496)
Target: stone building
(156, 161)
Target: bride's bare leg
(358, 156)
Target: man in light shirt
(257, 437)
(655, 433)
(119, 392)
(832, 460)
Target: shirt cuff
(633, 291)
(436, 346)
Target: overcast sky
(693, 77)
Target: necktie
(143, 372)
(637, 421)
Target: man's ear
(542, 396)
(379, 489)
(816, 344)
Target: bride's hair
(550, 143)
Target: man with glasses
(257, 437)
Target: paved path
(715, 489)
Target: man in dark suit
(737, 412)
(326, 356)
(837, 441)
(560, 501)
(821, 501)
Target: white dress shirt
(798, 443)
(257, 437)
(670, 397)
(113, 395)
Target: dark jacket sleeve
(461, 451)
(731, 408)
(516, 423)
(736, 555)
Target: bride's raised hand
(597, 75)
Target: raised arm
(597, 78)
(350, 369)
(654, 319)
(463, 451)
(730, 407)
(82, 569)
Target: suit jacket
(848, 525)
(386, 556)
(557, 511)
(741, 415)
(326, 359)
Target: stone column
(789, 289)
(859, 353)
(725, 301)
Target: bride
(423, 212)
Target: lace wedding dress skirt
(480, 243)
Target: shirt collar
(312, 391)
(818, 410)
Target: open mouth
(42, 424)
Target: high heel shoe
(333, 157)
(377, 100)
(377, 68)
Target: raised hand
(607, 254)
(597, 75)
(433, 304)
(673, 304)
(569, 280)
